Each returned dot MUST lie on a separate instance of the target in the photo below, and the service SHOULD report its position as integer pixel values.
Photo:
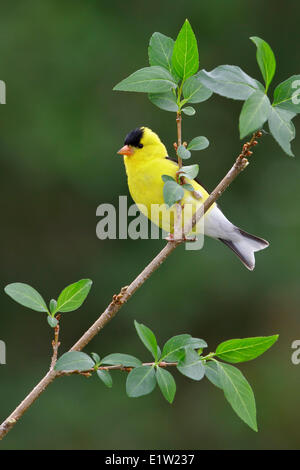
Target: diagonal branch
(127, 292)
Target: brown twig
(115, 367)
(55, 343)
(127, 292)
(179, 137)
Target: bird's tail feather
(245, 245)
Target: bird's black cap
(134, 138)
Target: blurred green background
(60, 130)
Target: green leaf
(255, 112)
(172, 350)
(140, 381)
(198, 143)
(166, 384)
(212, 372)
(282, 128)
(197, 343)
(172, 192)
(190, 171)
(185, 58)
(27, 296)
(194, 91)
(73, 296)
(165, 101)
(166, 178)
(229, 81)
(52, 321)
(147, 337)
(238, 393)
(148, 80)
(74, 360)
(52, 305)
(265, 59)
(189, 111)
(160, 51)
(287, 94)
(121, 359)
(183, 153)
(246, 349)
(95, 357)
(191, 366)
(105, 376)
(188, 187)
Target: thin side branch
(179, 136)
(127, 292)
(116, 367)
(55, 343)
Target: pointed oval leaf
(188, 187)
(52, 321)
(238, 393)
(140, 381)
(246, 349)
(74, 360)
(265, 59)
(27, 296)
(183, 153)
(189, 111)
(166, 178)
(166, 384)
(73, 296)
(148, 338)
(229, 81)
(197, 343)
(185, 58)
(191, 366)
(165, 101)
(212, 372)
(125, 360)
(148, 80)
(172, 193)
(173, 346)
(282, 128)
(105, 376)
(194, 91)
(287, 94)
(52, 305)
(96, 357)
(254, 114)
(190, 171)
(160, 51)
(198, 143)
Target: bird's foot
(171, 238)
(190, 239)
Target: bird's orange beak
(126, 150)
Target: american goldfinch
(146, 161)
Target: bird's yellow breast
(146, 188)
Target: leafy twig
(116, 367)
(128, 291)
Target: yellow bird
(146, 161)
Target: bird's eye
(140, 146)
